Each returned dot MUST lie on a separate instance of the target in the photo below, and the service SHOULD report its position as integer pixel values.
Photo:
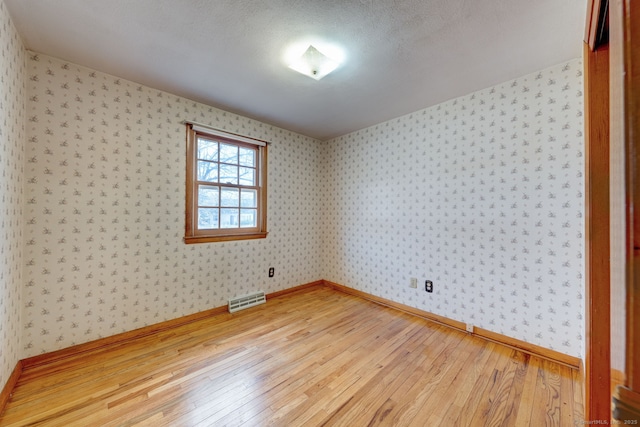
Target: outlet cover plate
(470, 328)
(428, 286)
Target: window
(226, 187)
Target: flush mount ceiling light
(314, 64)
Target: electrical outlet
(271, 271)
(470, 328)
(414, 283)
(428, 286)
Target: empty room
(350, 213)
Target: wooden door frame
(625, 132)
(621, 19)
(597, 362)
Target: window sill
(224, 237)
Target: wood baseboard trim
(536, 350)
(626, 405)
(43, 359)
(617, 376)
(7, 390)
(75, 350)
(545, 353)
(294, 289)
(408, 309)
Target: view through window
(226, 188)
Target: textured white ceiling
(401, 55)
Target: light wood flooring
(310, 358)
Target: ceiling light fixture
(314, 64)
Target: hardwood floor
(314, 357)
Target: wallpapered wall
(12, 138)
(483, 195)
(105, 179)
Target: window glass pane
(208, 195)
(248, 218)
(225, 191)
(228, 174)
(207, 150)
(229, 218)
(207, 171)
(207, 218)
(247, 157)
(247, 176)
(230, 197)
(249, 198)
(229, 154)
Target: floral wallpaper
(105, 203)
(483, 195)
(12, 139)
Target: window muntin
(226, 189)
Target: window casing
(226, 188)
